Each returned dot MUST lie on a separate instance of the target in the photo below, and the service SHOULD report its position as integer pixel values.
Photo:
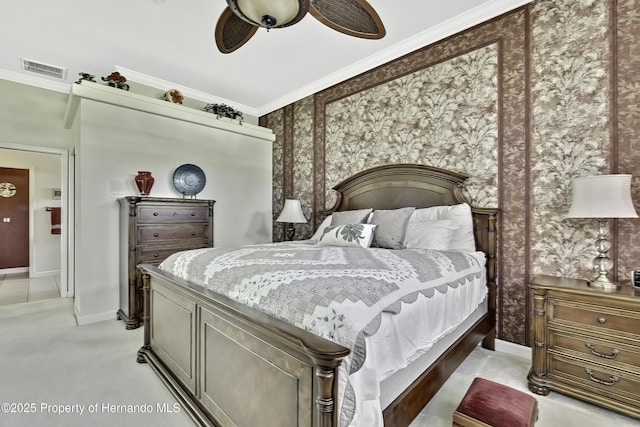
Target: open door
(14, 218)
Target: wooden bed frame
(231, 365)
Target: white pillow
(429, 234)
(320, 231)
(460, 215)
(350, 235)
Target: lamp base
(604, 283)
(290, 232)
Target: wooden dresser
(151, 229)
(586, 343)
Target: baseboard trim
(15, 270)
(93, 318)
(51, 273)
(513, 349)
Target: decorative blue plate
(189, 179)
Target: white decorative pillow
(350, 235)
(350, 217)
(429, 234)
(460, 215)
(320, 231)
(392, 225)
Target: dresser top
(582, 287)
(148, 199)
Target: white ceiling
(169, 44)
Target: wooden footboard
(230, 365)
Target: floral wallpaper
(443, 116)
(571, 127)
(522, 104)
(628, 126)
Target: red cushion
(498, 405)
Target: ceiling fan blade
(232, 32)
(353, 17)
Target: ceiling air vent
(41, 68)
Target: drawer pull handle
(156, 255)
(612, 378)
(592, 349)
(155, 214)
(193, 214)
(155, 234)
(175, 214)
(602, 320)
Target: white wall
(44, 247)
(32, 116)
(113, 143)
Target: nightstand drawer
(592, 378)
(596, 316)
(155, 233)
(598, 349)
(172, 214)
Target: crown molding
(34, 81)
(186, 91)
(475, 16)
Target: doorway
(47, 247)
(14, 218)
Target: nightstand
(586, 343)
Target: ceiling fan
(242, 18)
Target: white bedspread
(386, 306)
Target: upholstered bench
(488, 403)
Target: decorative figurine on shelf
(222, 110)
(117, 80)
(173, 96)
(86, 77)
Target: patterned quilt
(338, 293)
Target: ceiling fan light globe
(280, 12)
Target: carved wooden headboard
(395, 186)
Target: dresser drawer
(157, 233)
(598, 349)
(596, 316)
(172, 214)
(615, 384)
(157, 255)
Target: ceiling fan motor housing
(270, 13)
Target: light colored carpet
(49, 366)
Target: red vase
(144, 181)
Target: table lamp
(601, 197)
(291, 214)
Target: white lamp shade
(283, 11)
(602, 196)
(291, 212)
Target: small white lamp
(602, 197)
(292, 214)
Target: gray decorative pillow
(349, 235)
(392, 225)
(358, 216)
